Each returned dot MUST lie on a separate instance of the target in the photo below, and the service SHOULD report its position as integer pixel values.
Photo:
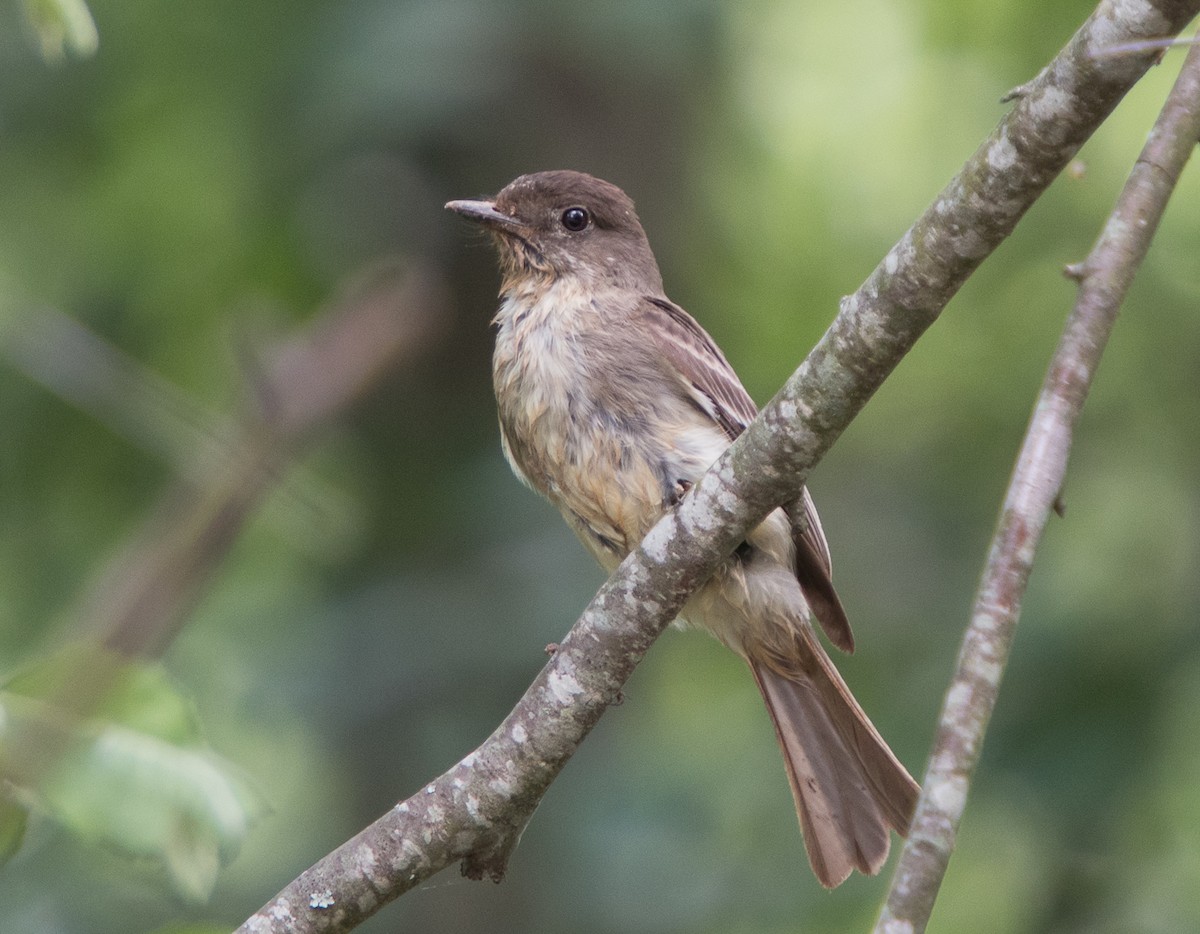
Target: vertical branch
(1104, 279)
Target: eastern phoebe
(613, 401)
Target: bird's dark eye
(575, 219)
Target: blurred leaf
(13, 818)
(133, 693)
(62, 26)
(131, 772)
(193, 861)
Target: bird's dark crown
(551, 224)
(542, 196)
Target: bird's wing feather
(715, 388)
(814, 571)
(701, 365)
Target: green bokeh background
(223, 165)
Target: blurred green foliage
(62, 26)
(127, 767)
(213, 173)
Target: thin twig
(1032, 494)
(1125, 48)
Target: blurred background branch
(1033, 492)
(299, 384)
(384, 319)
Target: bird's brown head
(553, 224)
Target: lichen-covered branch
(1032, 493)
(476, 811)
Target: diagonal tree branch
(1104, 278)
(475, 812)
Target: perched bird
(612, 402)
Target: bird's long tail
(850, 789)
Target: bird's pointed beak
(485, 213)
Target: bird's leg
(678, 492)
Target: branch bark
(1104, 277)
(476, 811)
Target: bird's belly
(611, 474)
(604, 480)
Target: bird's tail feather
(850, 789)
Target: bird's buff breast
(576, 431)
